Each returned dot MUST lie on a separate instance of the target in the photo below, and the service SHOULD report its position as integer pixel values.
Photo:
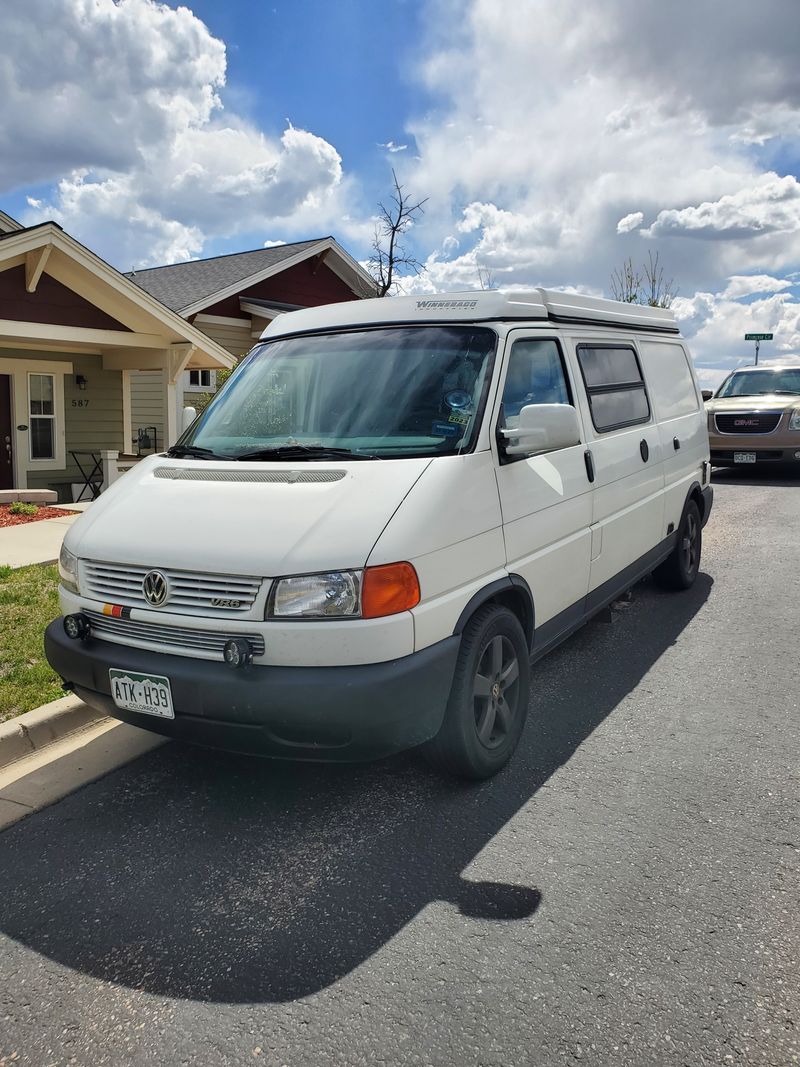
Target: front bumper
(722, 452)
(314, 713)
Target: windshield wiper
(304, 452)
(180, 451)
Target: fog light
(77, 627)
(237, 652)
(797, 455)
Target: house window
(41, 408)
(201, 378)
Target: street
(626, 892)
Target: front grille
(199, 644)
(747, 422)
(189, 594)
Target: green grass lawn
(28, 601)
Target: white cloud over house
(127, 121)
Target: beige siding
(147, 402)
(234, 339)
(92, 416)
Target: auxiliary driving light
(77, 627)
(237, 652)
(797, 455)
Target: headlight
(332, 595)
(794, 420)
(68, 569)
(372, 593)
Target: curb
(37, 729)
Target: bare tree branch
(645, 286)
(486, 279)
(659, 293)
(626, 283)
(388, 251)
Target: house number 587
(80, 403)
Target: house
(233, 298)
(73, 332)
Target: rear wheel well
(697, 496)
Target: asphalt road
(625, 893)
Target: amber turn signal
(388, 590)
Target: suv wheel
(679, 569)
(489, 698)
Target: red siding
(297, 285)
(52, 302)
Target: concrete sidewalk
(36, 542)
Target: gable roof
(85, 273)
(191, 286)
(9, 225)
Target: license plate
(149, 694)
(744, 457)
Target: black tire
(679, 569)
(488, 700)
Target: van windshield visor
(385, 393)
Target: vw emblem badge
(155, 588)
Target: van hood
(764, 402)
(262, 519)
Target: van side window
(535, 375)
(671, 381)
(615, 387)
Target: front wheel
(679, 569)
(489, 698)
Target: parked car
(754, 417)
(390, 508)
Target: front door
(546, 499)
(6, 435)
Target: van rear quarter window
(666, 365)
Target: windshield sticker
(444, 429)
(461, 418)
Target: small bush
(20, 508)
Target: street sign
(758, 337)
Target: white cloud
(715, 326)
(390, 146)
(588, 121)
(630, 222)
(740, 285)
(128, 118)
(770, 205)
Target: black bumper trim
(319, 713)
(708, 502)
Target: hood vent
(285, 477)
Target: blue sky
(552, 141)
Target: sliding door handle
(676, 443)
(588, 459)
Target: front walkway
(36, 542)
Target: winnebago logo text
(466, 305)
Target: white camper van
(391, 508)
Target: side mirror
(188, 417)
(543, 428)
(707, 394)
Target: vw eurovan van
(388, 512)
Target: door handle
(676, 443)
(644, 450)
(588, 459)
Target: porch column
(178, 358)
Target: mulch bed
(7, 519)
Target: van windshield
(376, 394)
